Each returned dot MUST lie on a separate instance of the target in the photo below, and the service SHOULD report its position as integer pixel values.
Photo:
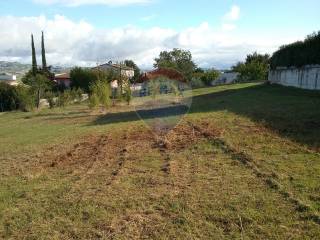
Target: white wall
(307, 77)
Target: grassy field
(244, 163)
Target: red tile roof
(162, 72)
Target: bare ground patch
(153, 184)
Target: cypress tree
(43, 51)
(34, 59)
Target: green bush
(93, 101)
(196, 82)
(76, 94)
(100, 91)
(204, 78)
(209, 76)
(51, 99)
(255, 68)
(253, 71)
(8, 98)
(26, 98)
(64, 99)
(128, 94)
(154, 87)
(15, 98)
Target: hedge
(298, 54)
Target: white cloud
(75, 3)
(79, 43)
(228, 26)
(233, 14)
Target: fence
(307, 77)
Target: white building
(9, 79)
(125, 71)
(226, 78)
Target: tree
(204, 77)
(34, 58)
(255, 68)
(209, 76)
(39, 83)
(178, 59)
(82, 78)
(256, 57)
(132, 64)
(43, 53)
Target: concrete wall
(307, 77)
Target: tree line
(299, 53)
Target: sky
(219, 33)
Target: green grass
(252, 171)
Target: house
(141, 88)
(226, 78)
(162, 72)
(125, 71)
(9, 79)
(63, 79)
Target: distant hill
(20, 69)
(14, 67)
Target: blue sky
(229, 27)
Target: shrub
(64, 98)
(255, 68)
(209, 76)
(204, 78)
(76, 94)
(8, 98)
(253, 71)
(154, 87)
(196, 82)
(26, 98)
(15, 98)
(50, 97)
(128, 94)
(93, 101)
(100, 90)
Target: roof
(162, 72)
(62, 76)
